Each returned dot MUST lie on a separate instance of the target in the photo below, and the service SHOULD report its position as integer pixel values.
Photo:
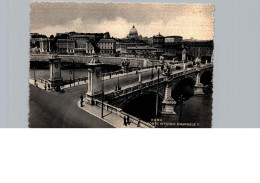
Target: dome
(133, 32)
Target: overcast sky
(195, 21)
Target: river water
(196, 111)
(65, 74)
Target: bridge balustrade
(119, 112)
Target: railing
(154, 82)
(124, 72)
(119, 112)
(45, 81)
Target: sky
(187, 20)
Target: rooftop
(173, 37)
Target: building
(44, 45)
(170, 51)
(80, 42)
(107, 47)
(65, 46)
(123, 44)
(35, 40)
(133, 34)
(89, 48)
(158, 39)
(141, 51)
(201, 49)
(173, 39)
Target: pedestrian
(125, 123)
(81, 100)
(138, 124)
(128, 121)
(45, 87)
(48, 86)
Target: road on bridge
(129, 79)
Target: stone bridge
(164, 85)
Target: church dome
(133, 32)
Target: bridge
(114, 92)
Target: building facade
(65, 46)
(141, 51)
(107, 47)
(173, 39)
(158, 39)
(44, 45)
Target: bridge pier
(198, 88)
(94, 79)
(168, 103)
(55, 79)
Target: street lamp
(157, 93)
(118, 87)
(152, 75)
(34, 73)
(73, 72)
(70, 77)
(181, 100)
(102, 109)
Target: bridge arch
(142, 105)
(184, 86)
(139, 95)
(206, 77)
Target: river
(196, 111)
(66, 74)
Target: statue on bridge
(166, 69)
(161, 59)
(198, 61)
(125, 65)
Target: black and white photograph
(121, 65)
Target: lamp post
(73, 72)
(181, 99)
(102, 109)
(34, 73)
(152, 75)
(157, 93)
(118, 87)
(70, 77)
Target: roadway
(56, 110)
(129, 79)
